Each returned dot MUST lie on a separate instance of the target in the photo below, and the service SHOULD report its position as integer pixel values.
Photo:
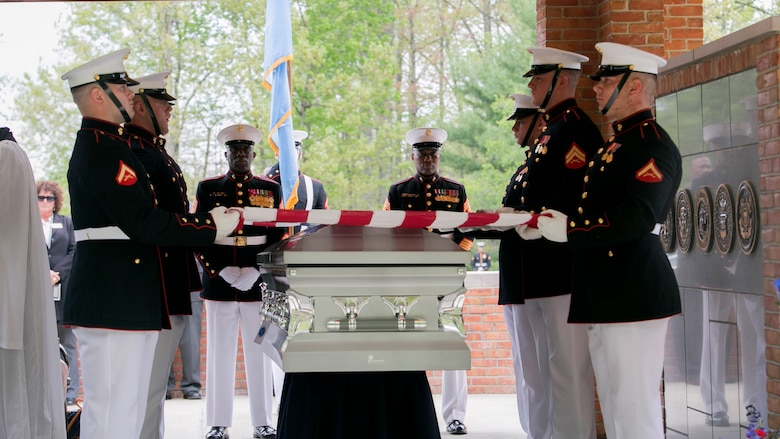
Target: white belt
(241, 241)
(657, 229)
(100, 234)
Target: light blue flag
(277, 78)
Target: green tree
(722, 17)
(364, 73)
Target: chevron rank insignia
(575, 157)
(125, 176)
(650, 173)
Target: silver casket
(342, 298)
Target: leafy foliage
(364, 72)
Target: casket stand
(349, 299)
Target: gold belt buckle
(239, 241)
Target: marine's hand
(529, 230)
(552, 224)
(230, 274)
(227, 221)
(246, 280)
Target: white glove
(552, 224)
(526, 231)
(226, 221)
(247, 279)
(230, 274)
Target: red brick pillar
(683, 26)
(572, 25)
(767, 74)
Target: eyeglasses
(48, 198)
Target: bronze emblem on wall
(723, 219)
(684, 220)
(747, 217)
(667, 232)
(702, 225)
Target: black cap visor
(117, 78)
(240, 142)
(157, 93)
(521, 113)
(538, 69)
(427, 145)
(609, 70)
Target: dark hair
(53, 187)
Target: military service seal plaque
(747, 217)
(684, 220)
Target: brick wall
(491, 356)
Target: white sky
(27, 37)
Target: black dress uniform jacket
(61, 251)
(179, 270)
(435, 193)
(551, 178)
(320, 198)
(621, 271)
(233, 190)
(117, 283)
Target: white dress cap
(110, 67)
(240, 133)
(426, 137)
(524, 106)
(716, 131)
(614, 54)
(546, 59)
(299, 135)
(153, 86)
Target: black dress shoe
(192, 394)
(217, 433)
(457, 427)
(265, 432)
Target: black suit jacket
(63, 246)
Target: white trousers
(516, 323)
(557, 354)
(115, 370)
(164, 353)
(749, 310)
(628, 359)
(278, 376)
(222, 325)
(454, 393)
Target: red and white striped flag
(441, 220)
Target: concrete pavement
(488, 417)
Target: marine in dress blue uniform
(425, 191)
(115, 298)
(231, 290)
(311, 192)
(152, 107)
(554, 357)
(624, 287)
(311, 195)
(526, 128)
